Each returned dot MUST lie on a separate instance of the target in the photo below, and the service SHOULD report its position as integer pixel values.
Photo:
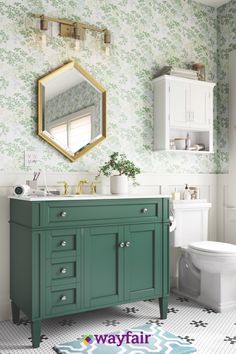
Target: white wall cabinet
(182, 106)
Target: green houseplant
(119, 168)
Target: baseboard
(224, 307)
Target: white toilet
(207, 269)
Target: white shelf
(186, 129)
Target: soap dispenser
(187, 193)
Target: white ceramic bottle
(187, 193)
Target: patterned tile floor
(208, 331)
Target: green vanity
(74, 254)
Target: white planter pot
(119, 184)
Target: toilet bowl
(213, 257)
(207, 269)
(216, 262)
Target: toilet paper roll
(172, 224)
(21, 190)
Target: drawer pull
(122, 244)
(63, 270)
(63, 214)
(63, 298)
(63, 243)
(144, 210)
(127, 244)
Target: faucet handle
(66, 187)
(93, 187)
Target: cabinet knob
(63, 298)
(63, 243)
(63, 214)
(128, 243)
(144, 210)
(63, 270)
(122, 244)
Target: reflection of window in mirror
(73, 131)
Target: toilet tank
(191, 222)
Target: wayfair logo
(118, 339)
(88, 339)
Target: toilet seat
(214, 248)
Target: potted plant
(125, 169)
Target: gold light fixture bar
(67, 26)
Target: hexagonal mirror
(71, 110)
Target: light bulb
(107, 50)
(77, 44)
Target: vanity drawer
(62, 300)
(68, 214)
(62, 271)
(62, 243)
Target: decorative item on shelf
(201, 71)
(172, 144)
(180, 143)
(33, 183)
(179, 72)
(188, 142)
(175, 195)
(125, 168)
(197, 147)
(195, 192)
(21, 190)
(71, 29)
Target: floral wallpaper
(226, 43)
(147, 34)
(75, 99)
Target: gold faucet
(93, 188)
(79, 189)
(66, 187)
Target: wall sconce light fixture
(72, 29)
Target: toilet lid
(214, 247)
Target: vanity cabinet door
(143, 261)
(103, 266)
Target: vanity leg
(163, 304)
(15, 310)
(36, 333)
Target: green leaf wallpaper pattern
(226, 43)
(147, 34)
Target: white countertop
(34, 198)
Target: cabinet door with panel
(200, 114)
(178, 103)
(143, 261)
(103, 265)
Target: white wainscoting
(226, 212)
(149, 183)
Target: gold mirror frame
(42, 81)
